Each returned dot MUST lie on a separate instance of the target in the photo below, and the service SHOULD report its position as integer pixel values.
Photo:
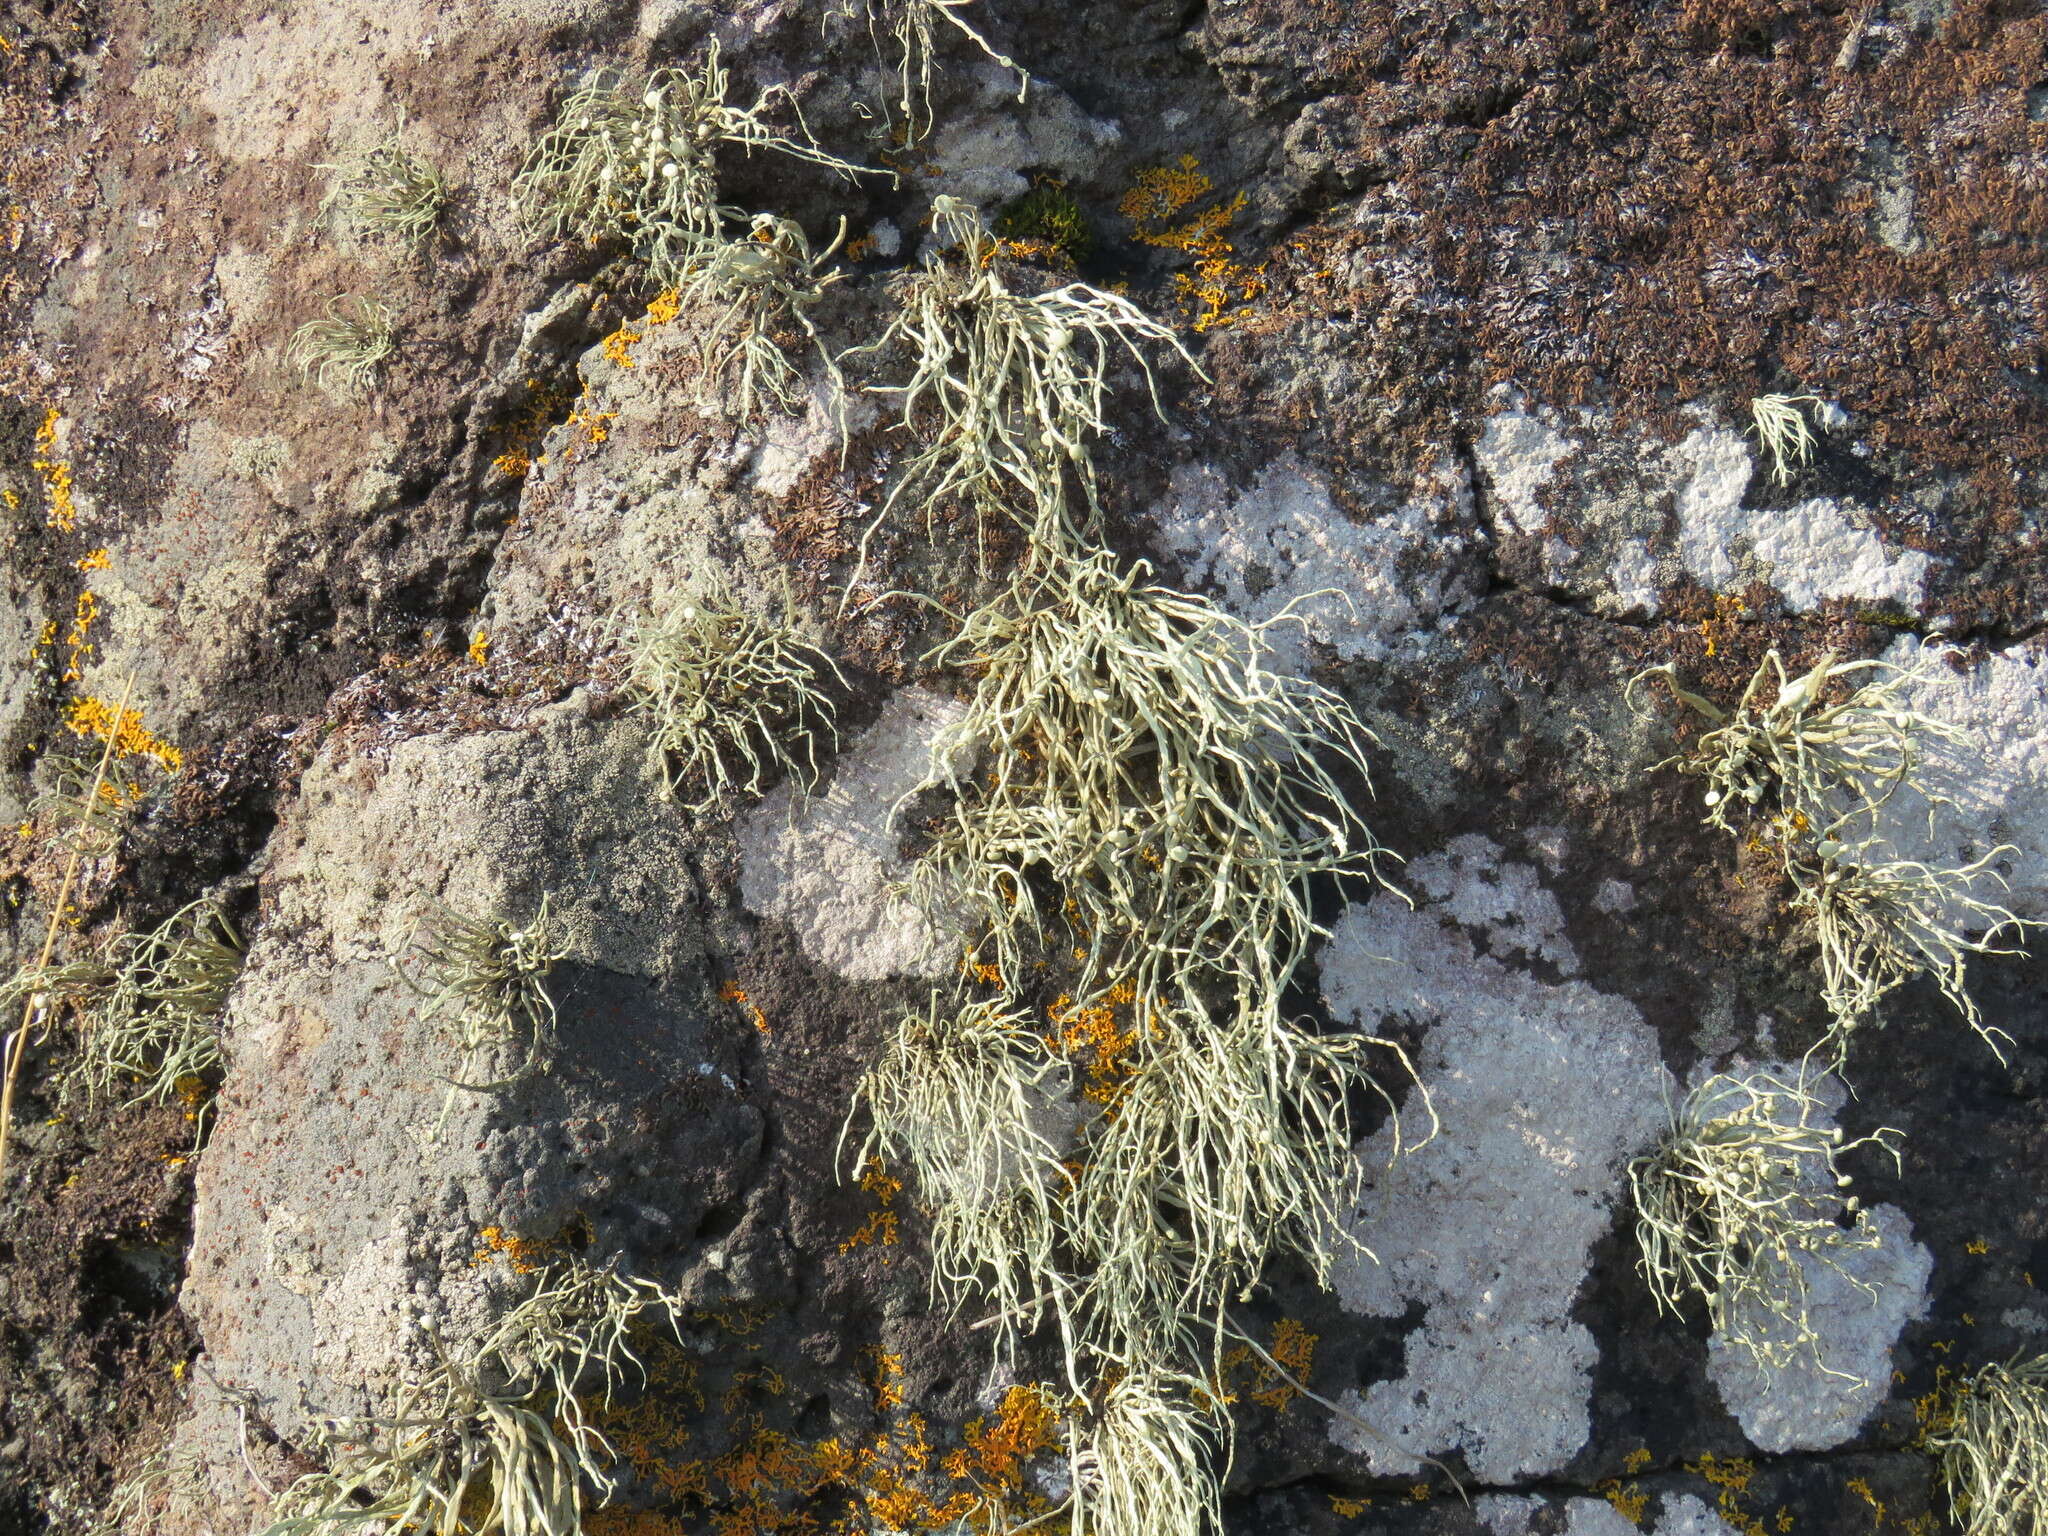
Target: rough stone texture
(1477, 344)
(337, 1214)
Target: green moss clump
(1048, 216)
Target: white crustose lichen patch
(1859, 1295)
(1812, 551)
(825, 866)
(1996, 788)
(1543, 1093)
(1366, 589)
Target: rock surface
(1480, 294)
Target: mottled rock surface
(1479, 293)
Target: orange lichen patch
(1348, 1509)
(526, 1254)
(1295, 1348)
(593, 423)
(193, 1094)
(480, 648)
(1220, 283)
(650, 1432)
(664, 307)
(860, 247)
(986, 972)
(1976, 1245)
(85, 613)
(520, 433)
(55, 473)
(1629, 1501)
(1162, 191)
(1089, 1031)
(95, 560)
(1731, 1476)
(740, 1319)
(996, 1454)
(733, 992)
(618, 347)
(880, 1227)
(887, 1381)
(745, 1381)
(635, 1522)
(98, 719)
(1637, 1459)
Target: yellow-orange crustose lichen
(55, 473)
(96, 718)
(95, 560)
(1295, 1348)
(618, 347)
(1091, 1030)
(1220, 284)
(880, 1227)
(593, 425)
(768, 1481)
(526, 1254)
(733, 992)
(480, 648)
(1629, 1501)
(1731, 1477)
(78, 641)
